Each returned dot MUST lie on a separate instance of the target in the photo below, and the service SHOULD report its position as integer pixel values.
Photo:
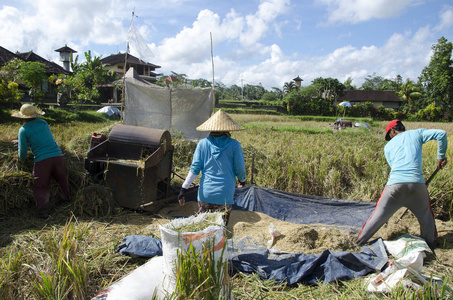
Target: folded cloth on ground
(140, 246)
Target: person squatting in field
(48, 158)
(220, 160)
(406, 186)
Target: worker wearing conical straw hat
(48, 158)
(220, 160)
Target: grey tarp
(153, 106)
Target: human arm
(22, 145)
(239, 166)
(441, 137)
(195, 168)
(185, 186)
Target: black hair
(220, 133)
(399, 126)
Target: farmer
(221, 160)
(48, 160)
(406, 186)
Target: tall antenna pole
(213, 86)
(242, 89)
(125, 65)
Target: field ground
(288, 154)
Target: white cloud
(446, 19)
(43, 25)
(356, 11)
(192, 44)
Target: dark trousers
(210, 207)
(42, 172)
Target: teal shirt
(37, 136)
(221, 160)
(404, 154)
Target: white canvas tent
(153, 106)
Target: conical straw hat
(220, 121)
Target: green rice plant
(60, 273)
(428, 291)
(200, 276)
(10, 274)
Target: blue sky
(266, 42)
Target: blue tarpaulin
(248, 256)
(304, 209)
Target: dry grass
(348, 164)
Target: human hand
(241, 184)
(441, 163)
(181, 198)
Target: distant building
(298, 81)
(386, 98)
(6, 56)
(51, 68)
(145, 70)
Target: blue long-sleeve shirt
(404, 154)
(37, 136)
(221, 160)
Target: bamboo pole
(213, 86)
(124, 68)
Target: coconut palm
(409, 92)
(288, 87)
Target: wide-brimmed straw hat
(27, 111)
(218, 122)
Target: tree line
(430, 97)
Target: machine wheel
(98, 201)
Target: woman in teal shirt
(220, 160)
(48, 159)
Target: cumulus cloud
(356, 11)
(446, 19)
(245, 45)
(47, 25)
(192, 44)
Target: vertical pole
(213, 86)
(242, 89)
(124, 67)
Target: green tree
(269, 97)
(348, 84)
(200, 82)
(9, 93)
(409, 92)
(328, 88)
(33, 74)
(11, 70)
(277, 92)
(288, 87)
(87, 77)
(437, 77)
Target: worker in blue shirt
(220, 160)
(35, 135)
(406, 186)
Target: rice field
(286, 153)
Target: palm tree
(288, 87)
(409, 92)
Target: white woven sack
(173, 241)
